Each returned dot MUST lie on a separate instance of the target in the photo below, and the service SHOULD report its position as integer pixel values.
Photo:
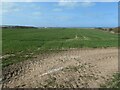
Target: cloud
(67, 3)
(18, 1)
(57, 9)
(37, 13)
(87, 4)
(34, 15)
(60, 0)
(75, 3)
(64, 18)
(29, 0)
(10, 7)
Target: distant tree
(110, 29)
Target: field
(16, 40)
(25, 41)
(47, 56)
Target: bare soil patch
(88, 68)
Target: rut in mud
(72, 68)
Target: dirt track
(72, 68)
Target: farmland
(44, 57)
(62, 44)
(75, 68)
(31, 39)
(25, 41)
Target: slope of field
(20, 44)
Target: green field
(25, 41)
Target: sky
(60, 14)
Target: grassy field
(20, 42)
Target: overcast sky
(61, 14)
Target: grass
(114, 82)
(24, 41)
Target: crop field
(59, 58)
(16, 40)
(20, 42)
